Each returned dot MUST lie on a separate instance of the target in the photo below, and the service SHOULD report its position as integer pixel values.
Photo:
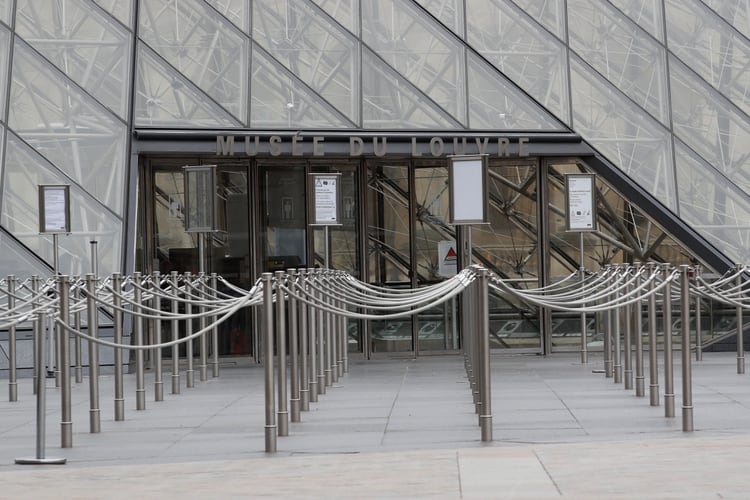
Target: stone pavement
(396, 427)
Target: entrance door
(227, 252)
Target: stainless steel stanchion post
(214, 330)
(652, 351)
(608, 369)
(345, 339)
(617, 331)
(190, 372)
(330, 371)
(270, 402)
(140, 389)
(485, 417)
(175, 334)
(93, 329)
(640, 384)
(312, 326)
(320, 328)
(41, 392)
(203, 367)
(628, 337)
(66, 424)
(740, 328)
(687, 374)
(38, 324)
(283, 412)
(304, 372)
(75, 296)
(698, 334)
(294, 382)
(668, 364)
(12, 375)
(117, 315)
(158, 365)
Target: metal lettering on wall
(296, 145)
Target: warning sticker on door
(447, 259)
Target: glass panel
(647, 13)
(496, 104)
(279, 100)
(388, 223)
(201, 45)
(419, 50)
(121, 9)
(5, 6)
(283, 205)
(634, 63)
(319, 52)
(713, 205)
(237, 11)
(529, 56)
(711, 49)
(84, 44)
(435, 326)
(550, 13)
(4, 50)
(390, 102)
(345, 12)
(66, 126)
(449, 12)
(18, 261)
(24, 171)
(710, 125)
(735, 12)
(629, 138)
(165, 98)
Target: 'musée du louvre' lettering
(277, 145)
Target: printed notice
(326, 199)
(580, 202)
(54, 209)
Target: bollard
(93, 326)
(140, 390)
(294, 381)
(270, 403)
(304, 373)
(66, 423)
(203, 343)
(175, 335)
(12, 378)
(740, 328)
(40, 389)
(117, 314)
(687, 382)
(640, 383)
(652, 352)
(668, 365)
(158, 368)
(485, 417)
(214, 330)
(283, 413)
(628, 317)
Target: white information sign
(580, 202)
(54, 210)
(468, 189)
(326, 199)
(447, 259)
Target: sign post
(326, 205)
(580, 211)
